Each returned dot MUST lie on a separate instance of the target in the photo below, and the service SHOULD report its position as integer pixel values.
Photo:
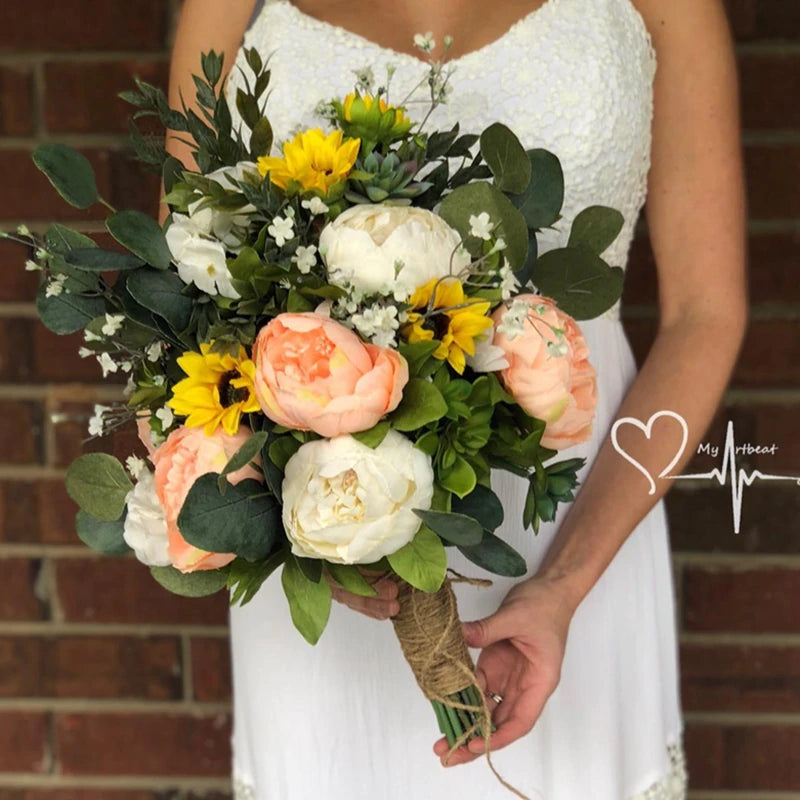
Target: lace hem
(671, 787)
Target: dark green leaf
(481, 504)
(200, 583)
(67, 313)
(94, 259)
(142, 235)
(101, 535)
(162, 293)
(70, 173)
(506, 158)
(455, 528)
(541, 201)
(494, 555)
(242, 457)
(596, 228)
(246, 577)
(309, 602)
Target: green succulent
(382, 179)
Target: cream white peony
(145, 527)
(351, 504)
(390, 250)
(199, 257)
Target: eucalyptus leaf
(162, 293)
(60, 239)
(541, 202)
(95, 259)
(422, 562)
(495, 555)
(199, 583)
(455, 528)
(506, 157)
(101, 535)
(246, 520)
(309, 602)
(70, 173)
(596, 227)
(67, 313)
(142, 235)
(243, 456)
(98, 483)
(483, 505)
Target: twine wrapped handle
(429, 631)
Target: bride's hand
(382, 606)
(523, 647)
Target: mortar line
(79, 705)
(139, 630)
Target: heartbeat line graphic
(739, 478)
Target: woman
(635, 97)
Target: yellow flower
(372, 119)
(313, 160)
(400, 117)
(218, 391)
(455, 326)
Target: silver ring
(496, 697)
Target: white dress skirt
(345, 719)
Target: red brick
(83, 25)
(211, 669)
(746, 599)
(740, 678)
(37, 512)
(23, 742)
(17, 599)
(773, 174)
(16, 100)
(18, 284)
(121, 442)
(88, 794)
(83, 97)
(122, 590)
(767, 80)
(20, 432)
(55, 358)
(143, 744)
(145, 668)
(743, 757)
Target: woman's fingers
(381, 606)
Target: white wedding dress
(345, 719)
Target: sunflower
(455, 323)
(312, 160)
(217, 391)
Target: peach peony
(187, 454)
(556, 384)
(313, 373)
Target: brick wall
(112, 689)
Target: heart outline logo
(647, 429)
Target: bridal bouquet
(329, 348)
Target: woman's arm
(696, 218)
(203, 25)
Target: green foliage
(548, 486)
(242, 457)
(309, 601)
(506, 158)
(98, 483)
(94, 259)
(596, 227)
(483, 505)
(454, 528)
(422, 562)
(101, 535)
(142, 235)
(374, 436)
(191, 584)
(495, 555)
(349, 577)
(70, 173)
(67, 313)
(162, 293)
(422, 403)
(541, 201)
(245, 577)
(245, 520)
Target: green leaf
(474, 198)
(582, 284)
(242, 457)
(506, 158)
(142, 235)
(494, 555)
(542, 199)
(246, 577)
(349, 577)
(172, 173)
(596, 227)
(98, 483)
(101, 535)
(70, 173)
(373, 436)
(309, 602)
(161, 292)
(459, 477)
(261, 139)
(455, 528)
(282, 449)
(95, 259)
(60, 239)
(246, 520)
(296, 303)
(200, 583)
(67, 313)
(311, 567)
(483, 505)
(422, 562)
(422, 403)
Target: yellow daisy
(313, 160)
(460, 320)
(217, 391)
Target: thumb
(486, 631)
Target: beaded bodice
(573, 76)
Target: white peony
(488, 357)
(200, 258)
(145, 527)
(351, 504)
(382, 249)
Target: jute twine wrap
(430, 635)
